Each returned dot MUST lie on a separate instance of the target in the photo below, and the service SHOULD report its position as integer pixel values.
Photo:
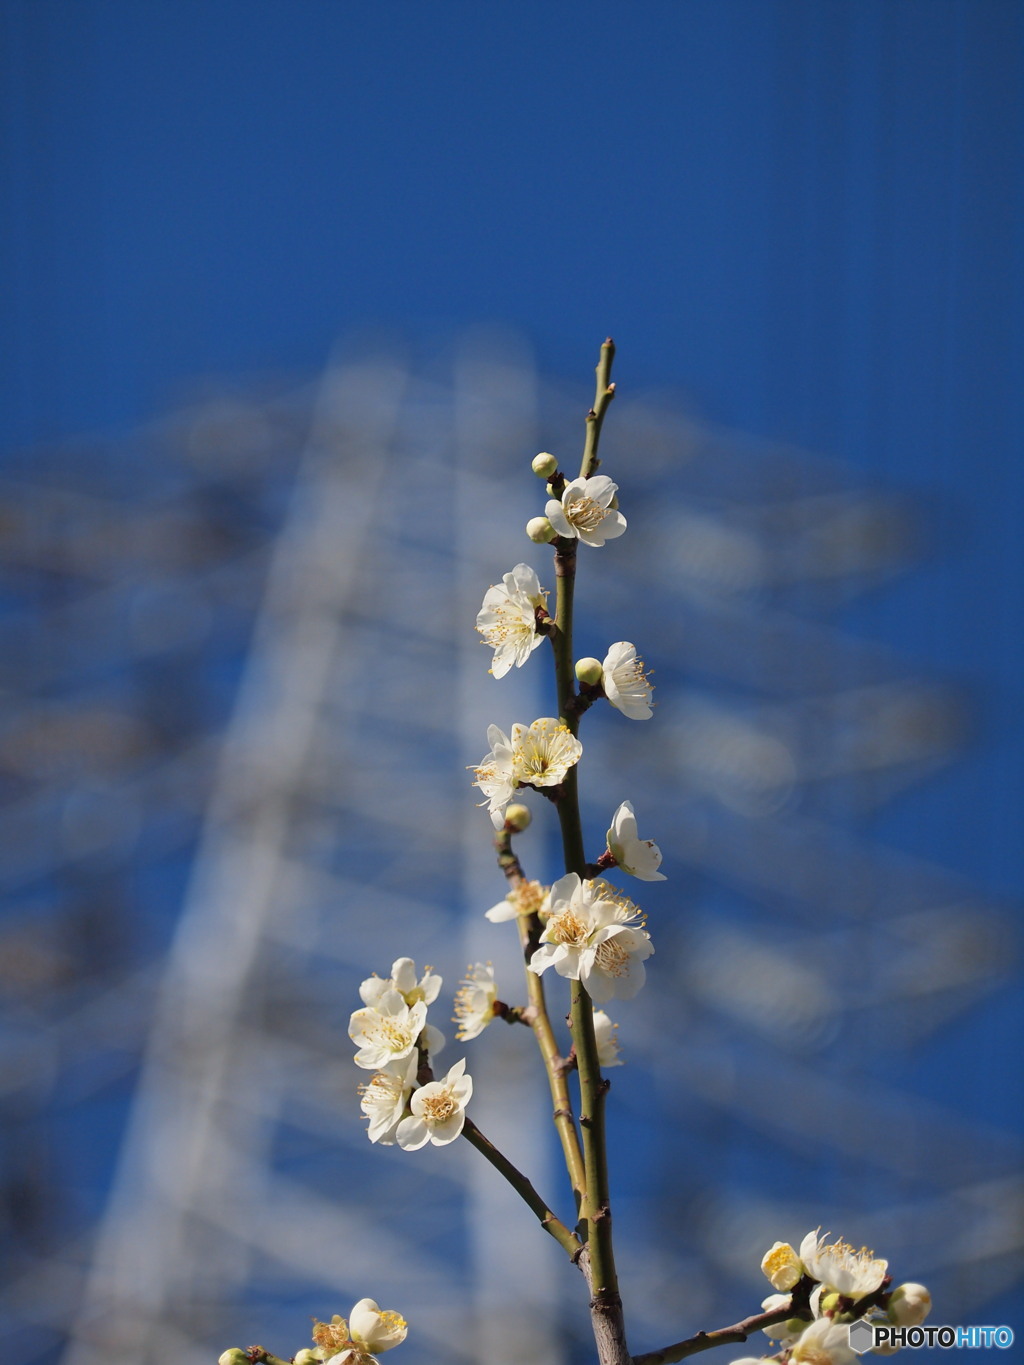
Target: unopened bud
(308, 1356)
(589, 671)
(544, 465)
(794, 1327)
(235, 1356)
(539, 529)
(517, 817)
(909, 1305)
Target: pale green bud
(589, 671)
(829, 1303)
(795, 1326)
(544, 465)
(518, 817)
(308, 1356)
(909, 1305)
(539, 529)
(234, 1357)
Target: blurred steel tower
(264, 628)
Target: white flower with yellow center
(387, 1031)
(369, 1329)
(639, 857)
(508, 618)
(593, 935)
(385, 1097)
(438, 1111)
(403, 980)
(839, 1267)
(625, 683)
(824, 1343)
(495, 776)
(584, 511)
(542, 753)
(524, 899)
(782, 1266)
(605, 1032)
(474, 1002)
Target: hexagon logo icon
(862, 1336)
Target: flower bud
(828, 1303)
(909, 1305)
(539, 529)
(518, 817)
(308, 1356)
(590, 671)
(235, 1356)
(544, 465)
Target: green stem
(595, 417)
(548, 1221)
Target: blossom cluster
(394, 1040)
(369, 1331)
(847, 1285)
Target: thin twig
(548, 1221)
(795, 1307)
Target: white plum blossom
(605, 1032)
(386, 1032)
(403, 980)
(438, 1111)
(474, 1002)
(542, 753)
(625, 683)
(583, 511)
(495, 776)
(593, 935)
(369, 1329)
(508, 618)
(374, 1329)
(823, 1343)
(539, 754)
(782, 1265)
(524, 899)
(838, 1266)
(385, 1097)
(639, 857)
